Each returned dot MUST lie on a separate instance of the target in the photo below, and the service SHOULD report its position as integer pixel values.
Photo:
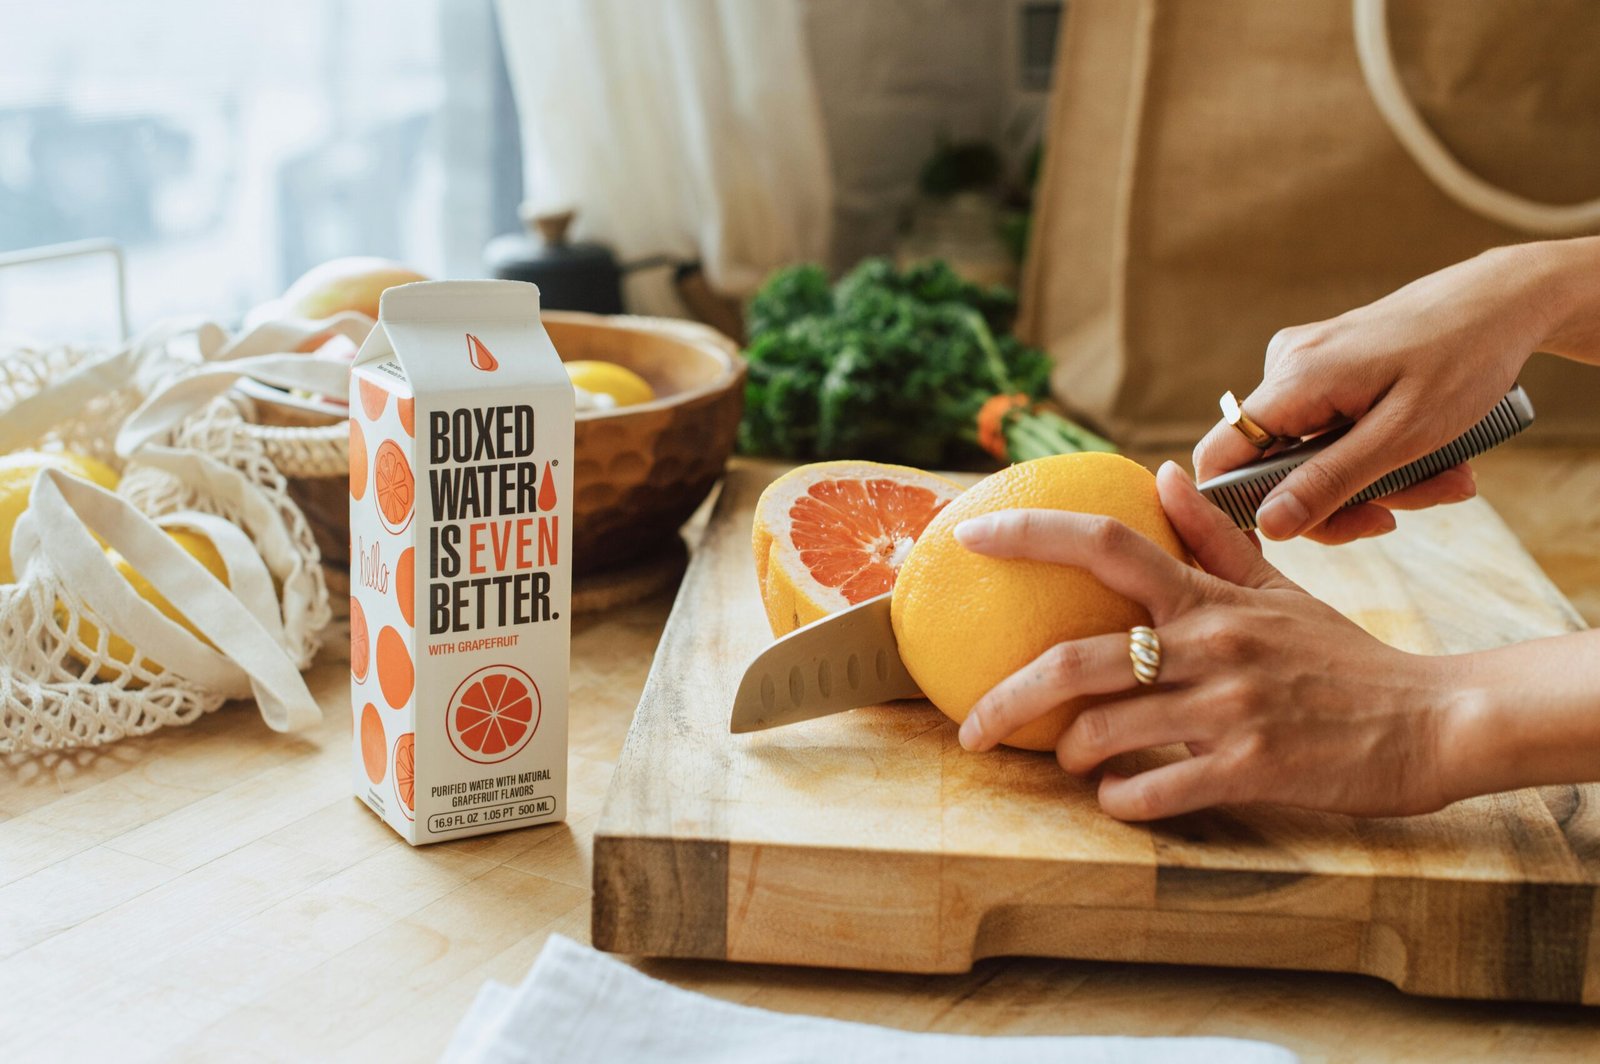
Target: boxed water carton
(461, 433)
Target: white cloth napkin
(579, 1005)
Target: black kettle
(570, 276)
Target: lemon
(18, 471)
(619, 384)
(119, 649)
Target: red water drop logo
(479, 355)
(547, 490)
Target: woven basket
(641, 471)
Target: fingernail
(1282, 516)
(971, 734)
(1177, 470)
(974, 530)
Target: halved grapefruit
(493, 714)
(834, 534)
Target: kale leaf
(887, 364)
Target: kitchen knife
(845, 660)
(1239, 492)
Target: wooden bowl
(642, 470)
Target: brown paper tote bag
(1217, 170)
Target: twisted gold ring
(1144, 650)
(1234, 414)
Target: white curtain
(685, 127)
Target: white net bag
(85, 659)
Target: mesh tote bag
(84, 658)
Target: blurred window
(230, 147)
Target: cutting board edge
(729, 900)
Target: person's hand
(1278, 697)
(1413, 371)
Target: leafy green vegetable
(887, 364)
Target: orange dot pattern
(374, 746)
(395, 674)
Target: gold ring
(1144, 650)
(1234, 414)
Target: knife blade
(843, 661)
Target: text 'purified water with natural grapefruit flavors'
(460, 571)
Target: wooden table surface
(215, 892)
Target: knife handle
(1239, 492)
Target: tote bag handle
(1429, 152)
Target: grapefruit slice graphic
(493, 714)
(394, 486)
(479, 355)
(360, 648)
(405, 773)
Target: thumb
(1380, 442)
(1216, 542)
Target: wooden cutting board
(871, 840)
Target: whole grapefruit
(965, 621)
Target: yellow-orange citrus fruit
(19, 470)
(833, 534)
(354, 283)
(965, 621)
(118, 648)
(620, 384)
